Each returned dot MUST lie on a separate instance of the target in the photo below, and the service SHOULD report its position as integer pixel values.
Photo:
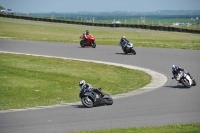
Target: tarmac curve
(168, 103)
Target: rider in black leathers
(84, 85)
(123, 40)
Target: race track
(169, 104)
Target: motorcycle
(184, 78)
(89, 42)
(90, 99)
(127, 47)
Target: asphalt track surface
(169, 104)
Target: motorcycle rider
(87, 86)
(123, 40)
(86, 34)
(176, 70)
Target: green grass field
(28, 81)
(177, 128)
(69, 33)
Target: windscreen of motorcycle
(130, 44)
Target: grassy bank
(69, 33)
(28, 81)
(177, 128)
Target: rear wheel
(93, 44)
(82, 43)
(125, 50)
(87, 102)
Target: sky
(41, 6)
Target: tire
(108, 99)
(87, 102)
(133, 51)
(82, 43)
(185, 83)
(125, 50)
(194, 82)
(93, 44)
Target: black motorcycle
(90, 99)
(127, 47)
(182, 78)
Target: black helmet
(87, 31)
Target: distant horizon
(41, 6)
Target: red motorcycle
(88, 42)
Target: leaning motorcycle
(184, 78)
(91, 99)
(127, 47)
(89, 42)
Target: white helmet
(123, 37)
(81, 83)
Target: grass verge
(69, 33)
(29, 81)
(177, 128)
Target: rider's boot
(100, 91)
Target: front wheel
(108, 99)
(93, 44)
(133, 51)
(87, 102)
(194, 82)
(185, 83)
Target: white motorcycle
(127, 47)
(186, 79)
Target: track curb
(158, 80)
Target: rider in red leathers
(86, 34)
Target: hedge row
(151, 27)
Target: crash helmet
(87, 31)
(123, 37)
(82, 83)
(174, 67)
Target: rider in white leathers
(176, 70)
